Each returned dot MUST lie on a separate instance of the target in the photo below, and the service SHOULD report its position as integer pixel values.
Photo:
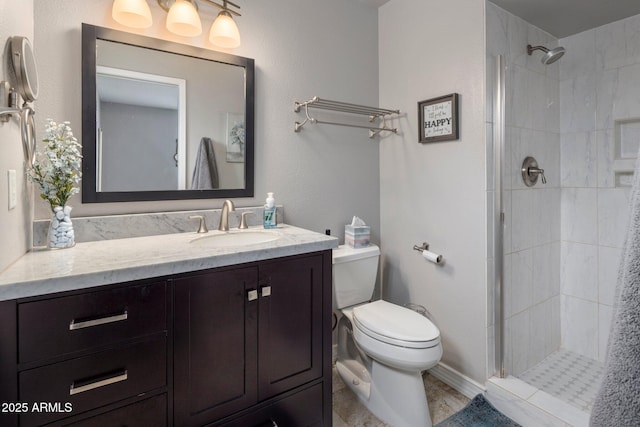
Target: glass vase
(61, 233)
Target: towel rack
(374, 114)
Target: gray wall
(16, 18)
(324, 174)
(436, 192)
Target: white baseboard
(458, 381)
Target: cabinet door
(215, 366)
(290, 324)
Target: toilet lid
(395, 325)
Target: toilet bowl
(396, 336)
(382, 347)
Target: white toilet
(382, 347)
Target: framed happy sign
(438, 119)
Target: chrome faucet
(203, 224)
(243, 222)
(224, 215)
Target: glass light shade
(224, 31)
(132, 13)
(183, 19)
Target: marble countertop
(90, 264)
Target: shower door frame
(498, 215)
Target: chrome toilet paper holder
(422, 248)
(428, 255)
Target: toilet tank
(354, 275)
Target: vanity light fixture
(182, 19)
(224, 31)
(132, 13)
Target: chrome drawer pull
(95, 322)
(91, 386)
(266, 291)
(252, 295)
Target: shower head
(550, 56)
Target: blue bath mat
(478, 413)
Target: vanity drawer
(147, 413)
(90, 382)
(63, 325)
(302, 409)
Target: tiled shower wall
(600, 125)
(532, 214)
(580, 117)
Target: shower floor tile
(570, 377)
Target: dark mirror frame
(90, 35)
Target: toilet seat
(395, 325)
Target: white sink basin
(235, 238)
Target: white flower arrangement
(56, 168)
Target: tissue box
(357, 236)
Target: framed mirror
(164, 121)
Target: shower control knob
(538, 171)
(531, 171)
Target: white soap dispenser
(269, 216)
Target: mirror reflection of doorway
(141, 141)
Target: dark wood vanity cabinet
(245, 345)
(246, 335)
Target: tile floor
(570, 377)
(348, 412)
